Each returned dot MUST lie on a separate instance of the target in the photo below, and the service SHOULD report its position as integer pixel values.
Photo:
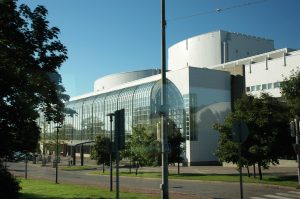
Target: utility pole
(164, 156)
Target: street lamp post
(56, 159)
(73, 150)
(110, 151)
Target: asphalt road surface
(177, 188)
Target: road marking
(295, 192)
(277, 197)
(288, 195)
(256, 198)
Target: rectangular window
(248, 89)
(258, 87)
(277, 85)
(264, 86)
(269, 85)
(252, 88)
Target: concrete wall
(213, 48)
(269, 72)
(237, 45)
(202, 50)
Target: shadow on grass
(201, 174)
(38, 196)
(284, 178)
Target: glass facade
(141, 104)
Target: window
(269, 85)
(277, 85)
(248, 89)
(264, 86)
(252, 88)
(258, 87)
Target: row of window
(141, 103)
(263, 87)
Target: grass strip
(34, 189)
(290, 181)
(76, 168)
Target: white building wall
(211, 91)
(202, 50)
(213, 48)
(264, 76)
(239, 45)
(180, 78)
(213, 96)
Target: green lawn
(34, 189)
(76, 168)
(291, 181)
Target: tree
(290, 90)
(101, 151)
(266, 118)
(30, 57)
(145, 148)
(175, 140)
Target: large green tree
(101, 151)
(144, 146)
(268, 140)
(290, 90)
(30, 57)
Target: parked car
(19, 156)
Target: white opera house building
(205, 74)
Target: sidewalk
(274, 170)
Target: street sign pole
(294, 127)
(240, 134)
(297, 143)
(240, 167)
(119, 142)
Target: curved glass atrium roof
(141, 104)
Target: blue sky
(110, 36)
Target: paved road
(178, 188)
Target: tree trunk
(248, 173)
(178, 168)
(136, 168)
(254, 171)
(259, 171)
(103, 168)
(130, 165)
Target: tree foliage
(145, 148)
(30, 57)
(101, 151)
(268, 140)
(175, 140)
(9, 185)
(290, 90)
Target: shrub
(9, 185)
